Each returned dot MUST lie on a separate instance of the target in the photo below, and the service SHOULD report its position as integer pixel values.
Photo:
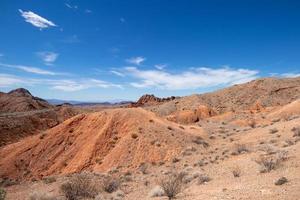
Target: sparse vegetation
(203, 179)
(2, 194)
(172, 185)
(40, 195)
(273, 130)
(110, 184)
(296, 131)
(239, 149)
(79, 186)
(49, 179)
(281, 181)
(269, 163)
(236, 172)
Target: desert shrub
(269, 163)
(157, 191)
(2, 194)
(281, 181)
(240, 148)
(143, 168)
(49, 179)
(172, 185)
(273, 130)
(236, 172)
(203, 179)
(134, 135)
(110, 184)
(79, 186)
(296, 131)
(170, 128)
(39, 195)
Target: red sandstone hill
(21, 100)
(100, 141)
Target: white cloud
(160, 66)
(67, 85)
(136, 60)
(29, 69)
(290, 75)
(191, 79)
(7, 80)
(117, 73)
(48, 57)
(36, 20)
(76, 85)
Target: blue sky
(108, 49)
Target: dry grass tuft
(172, 185)
(79, 186)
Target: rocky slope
(254, 95)
(150, 100)
(21, 100)
(122, 138)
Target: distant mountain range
(87, 103)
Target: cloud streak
(66, 85)
(191, 79)
(36, 20)
(29, 69)
(135, 60)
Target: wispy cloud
(191, 79)
(29, 69)
(290, 75)
(136, 60)
(73, 7)
(48, 57)
(36, 20)
(88, 11)
(117, 73)
(7, 80)
(160, 66)
(72, 85)
(67, 85)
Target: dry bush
(236, 172)
(49, 179)
(203, 179)
(143, 168)
(79, 186)
(172, 185)
(273, 130)
(40, 195)
(296, 131)
(239, 149)
(110, 184)
(269, 163)
(2, 194)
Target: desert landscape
(241, 142)
(149, 100)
